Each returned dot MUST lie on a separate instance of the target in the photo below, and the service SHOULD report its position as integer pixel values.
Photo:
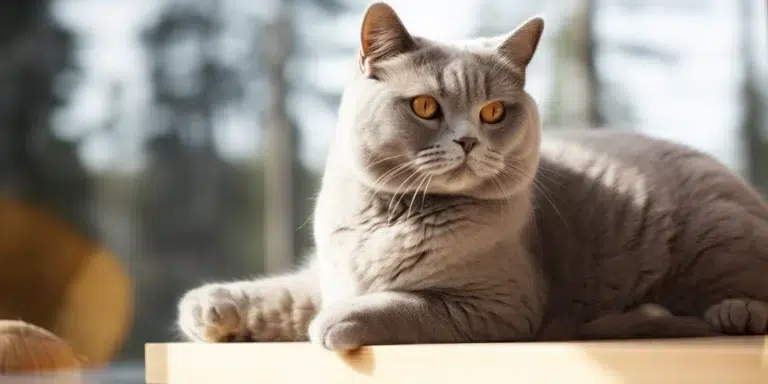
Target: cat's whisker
(415, 193)
(385, 178)
(543, 167)
(430, 152)
(540, 187)
(514, 163)
(424, 195)
(395, 195)
(497, 183)
(405, 191)
(546, 169)
(494, 166)
(550, 179)
(546, 194)
(368, 168)
(493, 155)
(399, 200)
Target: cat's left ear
(382, 36)
(521, 44)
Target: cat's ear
(520, 45)
(382, 35)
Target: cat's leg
(739, 317)
(271, 309)
(412, 317)
(724, 278)
(642, 322)
(645, 321)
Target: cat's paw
(214, 313)
(739, 317)
(339, 329)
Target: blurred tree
(754, 121)
(577, 87)
(306, 47)
(191, 201)
(595, 117)
(204, 218)
(277, 45)
(582, 94)
(288, 185)
(36, 76)
(186, 177)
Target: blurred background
(185, 138)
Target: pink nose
(467, 143)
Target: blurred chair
(60, 280)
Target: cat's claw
(739, 317)
(213, 313)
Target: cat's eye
(425, 107)
(493, 112)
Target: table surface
(715, 360)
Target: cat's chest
(392, 250)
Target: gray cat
(444, 217)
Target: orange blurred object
(62, 281)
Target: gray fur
(598, 234)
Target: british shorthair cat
(445, 216)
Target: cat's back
(636, 164)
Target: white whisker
(382, 160)
(385, 178)
(424, 195)
(392, 199)
(415, 193)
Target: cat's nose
(467, 143)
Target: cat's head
(450, 118)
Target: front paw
(214, 313)
(340, 329)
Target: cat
(445, 217)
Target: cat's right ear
(382, 36)
(521, 44)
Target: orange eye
(425, 106)
(493, 112)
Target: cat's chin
(458, 180)
(466, 175)
(482, 184)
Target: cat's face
(453, 119)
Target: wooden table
(737, 360)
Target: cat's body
(624, 219)
(450, 220)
